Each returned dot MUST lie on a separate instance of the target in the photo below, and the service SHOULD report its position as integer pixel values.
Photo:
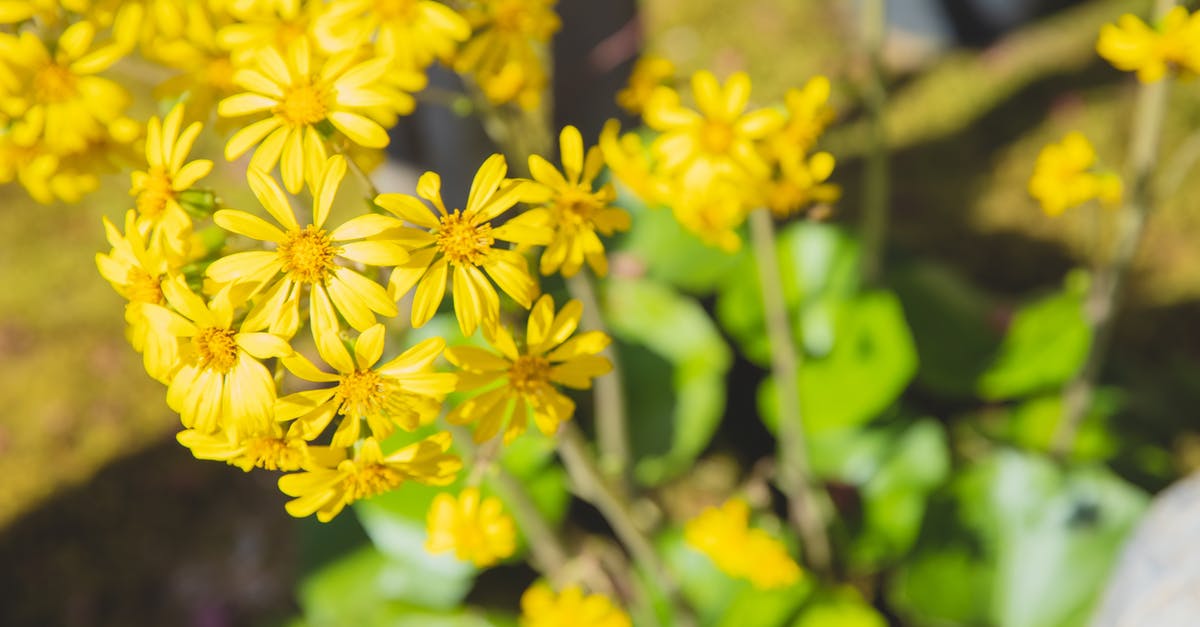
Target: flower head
(461, 246)
(1065, 176)
(724, 535)
(528, 379)
(801, 181)
(157, 189)
(713, 213)
(505, 54)
(577, 209)
(1133, 46)
(413, 32)
(269, 450)
(808, 114)
(542, 607)
(649, 72)
(475, 528)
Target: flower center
(362, 393)
(303, 104)
(274, 453)
(511, 16)
(716, 137)
(464, 243)
(155, 193)
(575, 209)
(529, 373)
(369, 480)
(143, 287)
(219, 74)
(217, 348)
(308, 255)
(54, 83)
(395, 10)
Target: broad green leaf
(948, 585)
(657, 325)
(1035, 421)
(845, 608)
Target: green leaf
(844, 609)
(948, 585)
(673, 411)
(1035, 421)
(1045, 346)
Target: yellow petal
(430, 291)
(246, 138)
(249, 225)
(272, 198)
(359, 129)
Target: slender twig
(795, 477)
(876, 186)
(612, 435)
(362, 175)
(1105, 291)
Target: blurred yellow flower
(808, 114)
(528, 380)
(413, 32)
(157, 189)
(630, 162)
(306, 257)
(649, 72)
(461, 246)
(1065, 176)
(713, 212)
(1131, 45)
(205, 67)
(326, 491)
(398, 392)
(577, 209)
(506, 53)
(541, 607)
(299, 94)
(800, 182)
(259, 25)
(724, 535)
(475, 528)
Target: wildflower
(206, 68)
(503, 54)
(475, 528)
(648, 73)
(398, 392)
(808, 114)
(157, 189)
(578, 210)
(801, 182)
(541, 607)
(461, 246)
(713, 213)
(1131, 45)
(260, 25)
(716, 141)
(217, 384)
(325, 491)
(724, 535)
(299, 94)
(413, 32)
(306, 257)
(528, 379)
(1065, 176)
(269, 450)
(630, 163)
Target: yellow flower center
(274, 453)
(303, 104)
(217, 348)
(308, 254)
(464, 243)
(143, 287)
(511, 16)
(395, 10)
(53, 83)
(362, 393)
(156, 192)
(716, 137)
(371, 479)
(529, 373)
(219, 74)
(575, 209)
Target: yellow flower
(808, 114)
(713, 213)
(648, 73)
(716, 141)
(306, 257)
(630, 163)
(326, 491)
(398, 392)
(541, 607)
(218, 383)
(724, 535)
(1130, 45)
(264, 24)
(206, 68)
(475, 528)
(1065, 176)
(414, 32)
(577, 209)
(157, 189)
(528, 379)
(299, 95)
(506, 53)
(14, 11)
(801, 182)
(270, 450)
(461, 246)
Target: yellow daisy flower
(724, 535)
(270, 450)
(299, 94)
(577, 209)
(206, 69)
(461, 246)
(630, 162)
(306, 257)
(326, 491)
(399, 392)
(649, 72)
(218, 383)
(528, 380)
(716, 141)
(541, 607)
(800, 182)
(808, 115)
(157, 189)
(505, 55)
(1065, 176)
(1133, 46)
(413, 32)
(713, 212)
(475, 528)
(268, 24)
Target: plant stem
(612, 435)
(876, 188)
(795, 478)
(358, 171)
(1105, 291)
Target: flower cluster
(1131, 45)
(724, 535)
(1066, 175)
(542, 607)
(714, 163)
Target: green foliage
(844, 608)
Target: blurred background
(105, 520)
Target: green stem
(794, 476)
(876, 190)
(611, 421)
(1105, 291)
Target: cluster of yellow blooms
(724, 535)
(714, 163)
(542, 607)
(1066, 176)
